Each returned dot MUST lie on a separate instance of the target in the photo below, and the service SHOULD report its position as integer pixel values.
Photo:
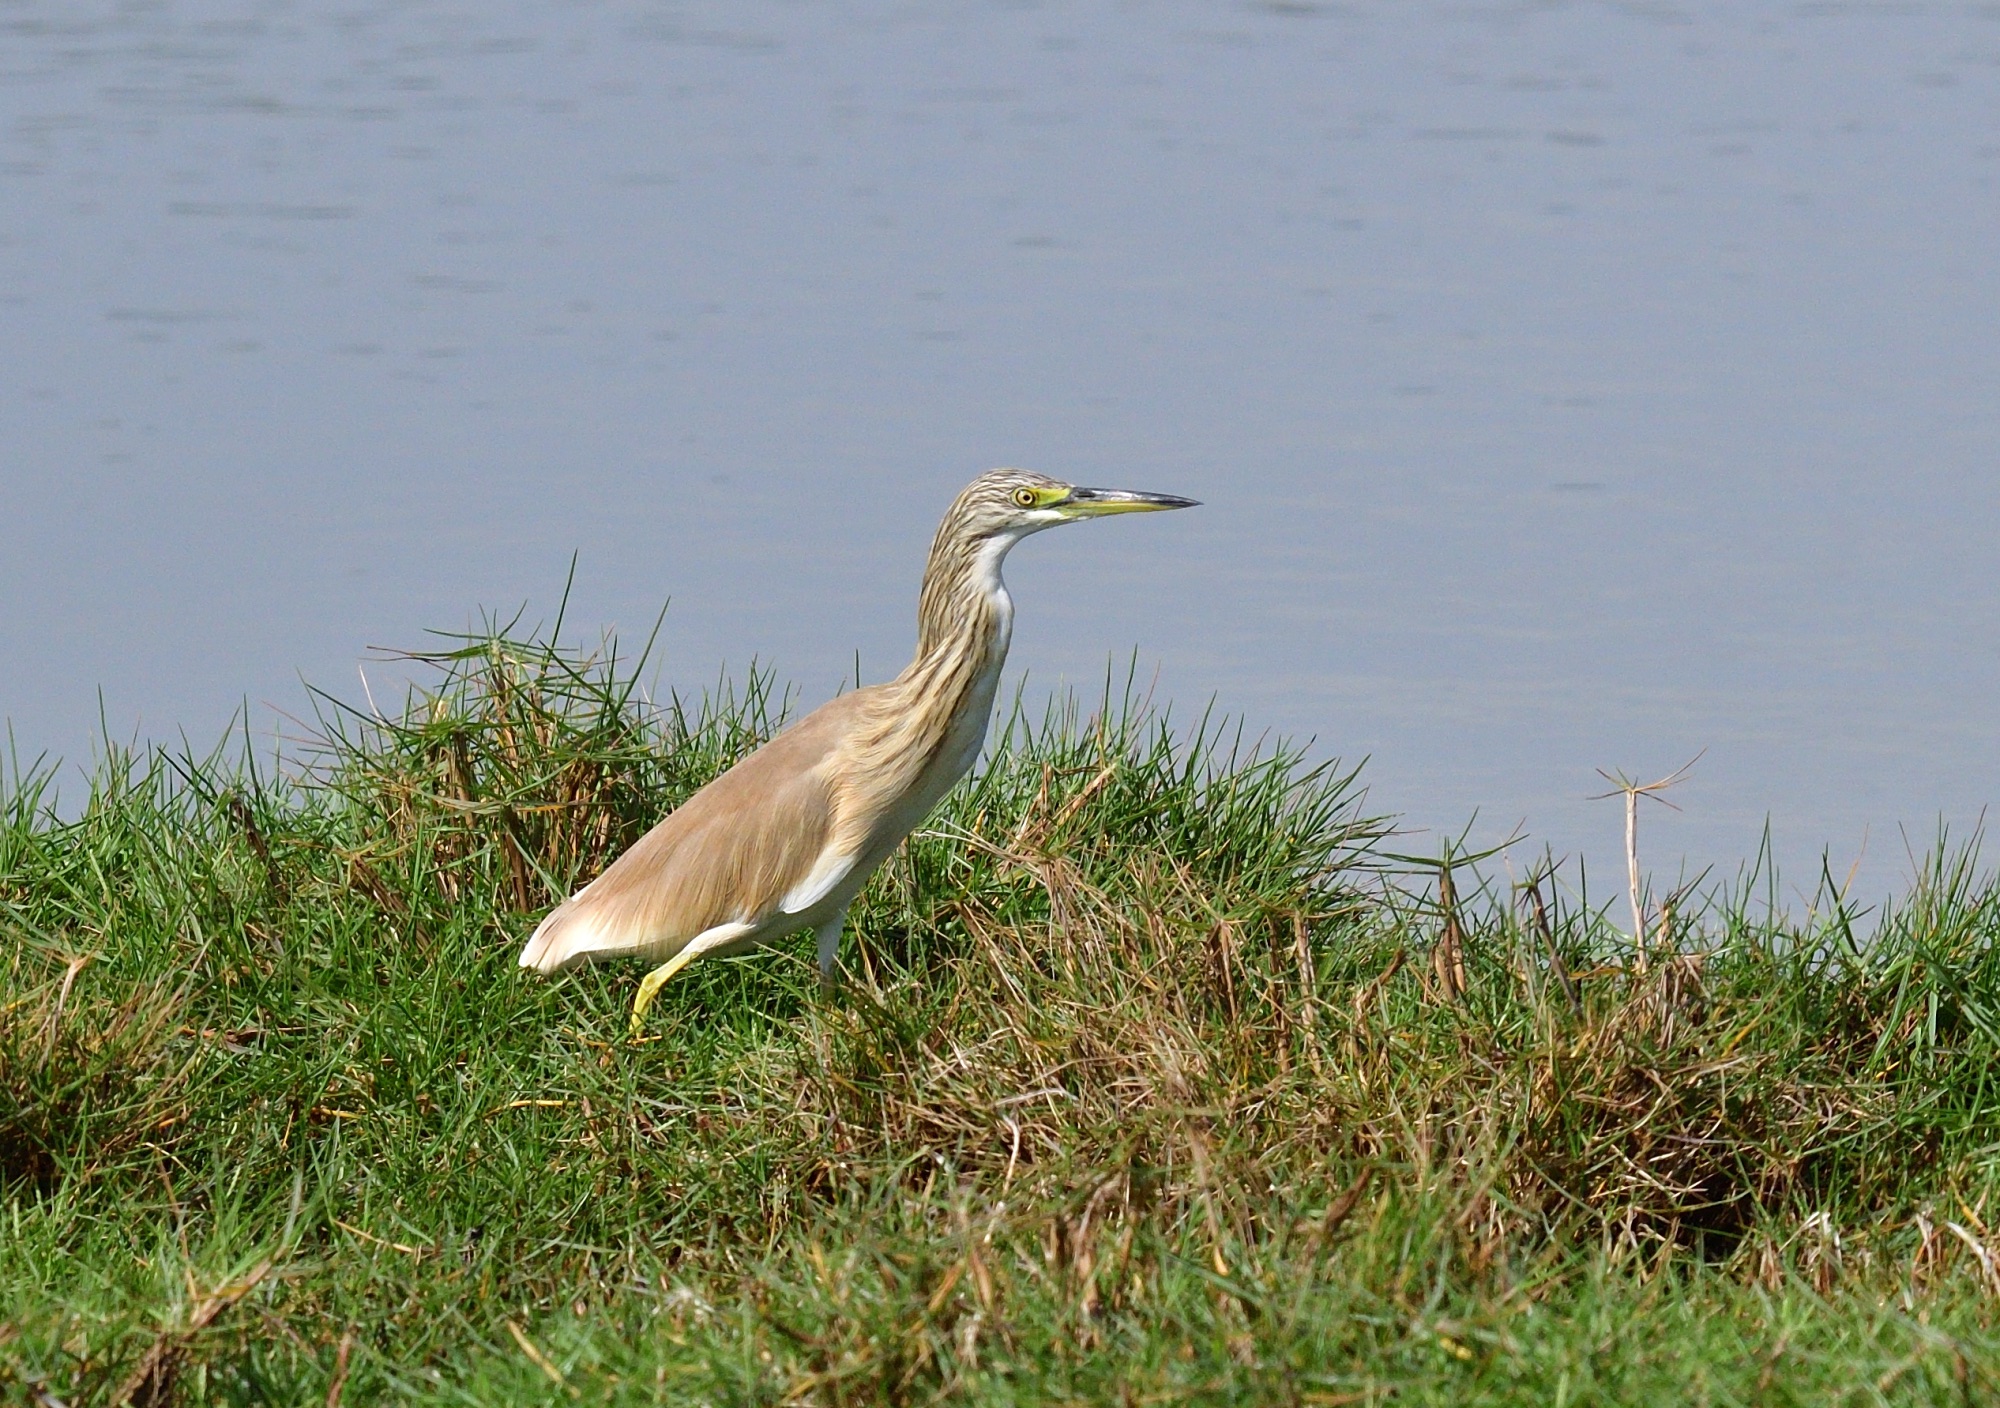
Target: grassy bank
(1154, 1077)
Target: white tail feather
(566, 937)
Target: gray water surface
(1569, 385)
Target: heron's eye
(1025, 498)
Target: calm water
(1570, 386)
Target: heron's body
(784, 840)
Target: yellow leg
(722, 936)
(650, 986)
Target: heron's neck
(923, 729)
(964, 621)
(964, 609)
(937, 708)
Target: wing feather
(740, 851)
(832, 868)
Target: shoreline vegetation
(1158, 1074)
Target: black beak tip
(1131, 498)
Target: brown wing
(729, 854)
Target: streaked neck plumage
(926, 726)
(965, 619)
(964, 606)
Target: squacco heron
(784, 840)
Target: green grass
(1145, 1085)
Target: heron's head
(1012, 503)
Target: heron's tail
(571, 934)
(547, 949)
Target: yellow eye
(1026, 498)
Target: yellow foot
(650, 986)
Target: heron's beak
(1098, 503)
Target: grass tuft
(1156, 1076)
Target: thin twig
(338, 1384)
(1556, 964)
(1632, 791)
(153, 1380)
(1448, 956)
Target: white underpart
(828, 872)
(720, 937)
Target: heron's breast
(956, 753)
